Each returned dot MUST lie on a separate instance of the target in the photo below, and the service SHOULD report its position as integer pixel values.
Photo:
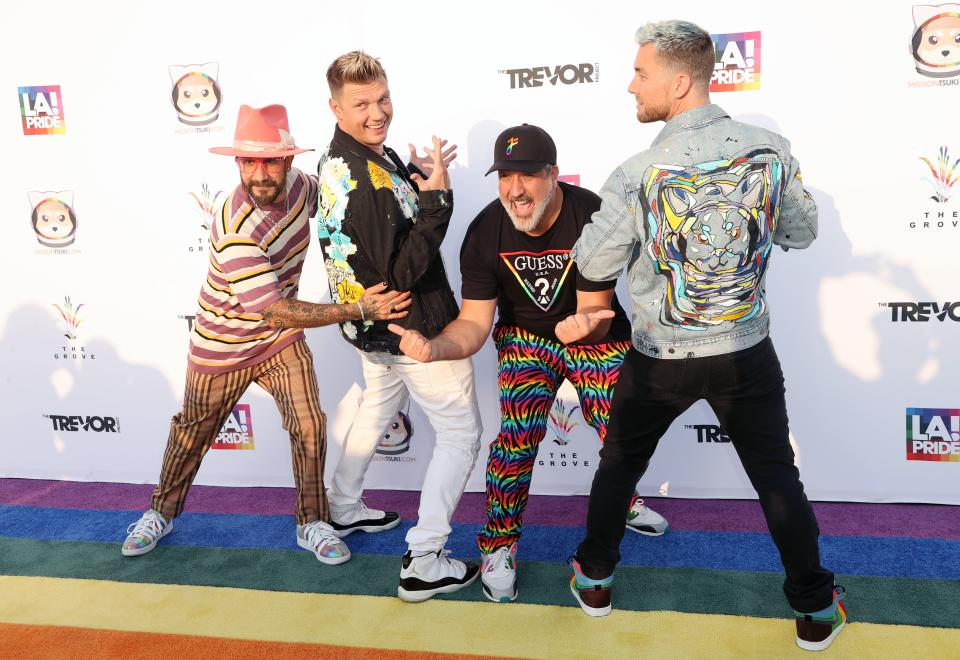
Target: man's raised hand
(577, 326)
(413, 344)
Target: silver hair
(684, 45)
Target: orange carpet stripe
(31, 641)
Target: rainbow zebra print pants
(530, 371)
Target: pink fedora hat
(261, 133)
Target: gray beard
(531, 223)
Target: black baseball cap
(524, 148)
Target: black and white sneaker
(362, 519)
(431, 573)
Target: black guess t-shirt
(533, 278)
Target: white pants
(445, 392)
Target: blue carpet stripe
(740, 551)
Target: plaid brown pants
(207, 401)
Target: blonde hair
(685, 46)
(354, 67)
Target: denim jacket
(694, 219)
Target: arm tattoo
(302, 314)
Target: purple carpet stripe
(835, 518)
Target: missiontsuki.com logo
(196, 96)
(936, 44)
(940, 174)
(41, 110)
(54, 220)
(933, 434)
(737, 62)
(237, 430)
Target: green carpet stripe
(907, 601)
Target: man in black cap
(515, 258)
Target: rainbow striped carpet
(230, 582)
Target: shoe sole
(420, 596)
(645, 532)
(820, 646)
(136, 552)
(592, 611)
(331, 561)
(369, 529)
(499, 595)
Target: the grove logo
(566, 74)
(561, 421)
(208, 207)
(922, 312)
(41, 110)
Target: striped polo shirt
(256, 257)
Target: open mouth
(522, 206)
(376, 127)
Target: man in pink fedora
(249, 329)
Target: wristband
(362, 317)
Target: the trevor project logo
(565, 74)
(511, 143)
(737, 62)
(41, 110)
(237, 430)
(933, 434)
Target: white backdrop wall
(98, 329)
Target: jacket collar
(697, 117)
(345, 140)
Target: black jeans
(746, 391)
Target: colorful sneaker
(817, 630)
(498, 574)
(644, 520)
(319, 538)
(593, 595)
(427, 574)
(142, 536)
(362, 519)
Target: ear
(335, 108)
(288, 162)
(681, 86)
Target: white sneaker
(644, 520)
(142, 536)
(361, 519)
(498, 574)
(320, 538)
(431, 573)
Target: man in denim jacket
(695, 219)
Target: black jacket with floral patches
(375, 226)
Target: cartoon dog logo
(53, 219)
(936, 40)
(396, 438)
(196, 93)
